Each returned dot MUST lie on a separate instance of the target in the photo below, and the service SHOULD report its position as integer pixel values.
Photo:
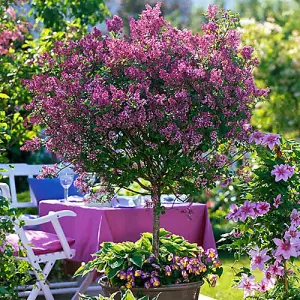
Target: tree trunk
(155, 195)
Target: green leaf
(137, 259)
(219, 271)
(111, 273)
(128, 295)
(116, 264)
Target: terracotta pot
(184, 291)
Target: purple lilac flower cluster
(175, 270)
(248, 209)
(103, 91)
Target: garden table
(94, 225)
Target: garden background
(28, 28)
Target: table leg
(84, 285)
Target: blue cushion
(47, 188)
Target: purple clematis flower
(285, 248)
(271, 140)
(258, 258)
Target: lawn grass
(224, 290)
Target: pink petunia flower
(277, 200)
(258, 258)
(282, 172)
(248, 285)
(271, 139)
(285, 248)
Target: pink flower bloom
(269, 278)
(11, 12)
(282, 172)
(48, 172)
(285, 248)
(237, 234)
(257, 137)
(247, 210)
(32, 145)
(115, 24)
(262, 208)
(277, 200)
(225, 183)
(248, 285)
(275, 269)
(234, 213)
(263, 286)
(212, 11)
(295, 217)
(293, 235)
(258, 258)
(271, 139)
(246, 52)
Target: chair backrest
(52, 217)
(44, 189)
(19, 170)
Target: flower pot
(184, 291)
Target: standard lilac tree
(161, 107)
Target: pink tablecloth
(94, 225)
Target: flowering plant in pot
(162, 108)
(133, 266)
(267, 220)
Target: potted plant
(133, 266)
(162, 108)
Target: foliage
(126, 296)
(60, 15)
(13, 272)
(21, 44)
(133, 264)
(277, 43)
(267, 222)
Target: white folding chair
(35, 258)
